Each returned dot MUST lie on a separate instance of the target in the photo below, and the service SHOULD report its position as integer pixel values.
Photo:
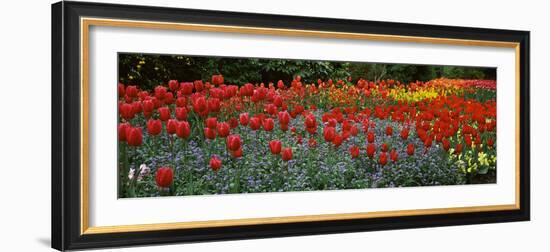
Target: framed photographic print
(180, 125)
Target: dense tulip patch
(210, 137)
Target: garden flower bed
(212, 137)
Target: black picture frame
(66, 156)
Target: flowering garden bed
(211, 137)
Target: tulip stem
(137, 171)
(173, 153)
(132, 191)
(123, 169)
(209, 143)
(185, 147)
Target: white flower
(131, 173)
(144, 170)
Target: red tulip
(268, 124)
(255, 123)
(181, 102)
(212, 122)
(311, 130)
(127, 111)
(458, 149)
(370, 137)
(164, 113)
(186, 88)
(284, 127)
(428, 142)
(121, 90)
(354, 151)
(393, 155)
(209, 133)
(199, 86)
(280, 84)
(287, 154)
(122, 127)
(346, 125)
(164, 177)
(337, 140)
(490, 142)
(181, 113)
(243, 119)
(137, 107)
(384, 147)
(410, 149)
(131, 91)
(173, 85)
(143, 95)
(148, 106)
(468, 140)
(217, 79)
(214, 105)
(233, 142)
(284, 117)
(345, 135)
(172, 126)
(389, 131)
(329, 133)
(183, 130)
(215, 163)
(310, 121)
(275, 147)
(383, 160)
(370, 150)
(332, 122)
(223, 129)
(299, 139)
(446, 144)
(200, 106)
(238, 153)
(154, 127)
(233, 122)
(354, 130)
(134, 136)
(160, 92)
(278, 101)
(404, 133)
(271, 109)
(312, 143)
(255, 96)
(168, 98)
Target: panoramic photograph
(203, 125)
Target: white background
(106, 210)
(25, 126)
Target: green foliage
(367, 71)
(453, 72)
(481, 95)
(149, 70)
(410, 73)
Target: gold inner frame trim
(86, 23)
(289, 219)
